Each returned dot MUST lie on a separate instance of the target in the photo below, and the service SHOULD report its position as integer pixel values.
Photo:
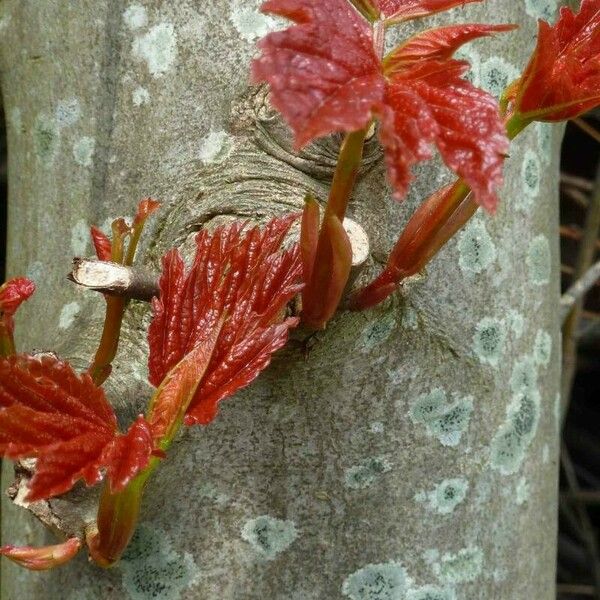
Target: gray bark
(417, 444)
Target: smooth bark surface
(416, 446)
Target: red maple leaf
(49, 412)
(325, 75)
(562, 79)
(238, 285)
(13, 293)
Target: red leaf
(403, 10)
(102, 244)
(430, 103)
(239, 276)
(325, 76)
(146, 207)
(128, 454)
(42, 558)
(13, 293)
(178, 388)
(437, 44)
(323, 73)
(562, 79)
(49, 412)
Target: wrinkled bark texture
(417, 444)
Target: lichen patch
(366, 473)
(384, 581)
(269, 536)
(158, 48)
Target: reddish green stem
(7, 342)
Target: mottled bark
(417, 444)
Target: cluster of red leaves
(231, 304)
(49, 412)
(562, 79)
(326, 75)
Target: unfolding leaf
(562, 79)
(102, 244)
(44, 557)
(323, 73)
(13, 293)
(437, 44)
(145, 208)
(49, 412)
(329, 275)
(429, 103)
(239, 276)
(403, 10)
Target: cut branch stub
(113, 279)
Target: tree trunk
(415, 448)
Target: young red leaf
(403, 10)
(329, 275)
(242, 277)
(145, 209)
(12, 294)
(429, 103)
(42, 558)
(323, 73)
(49, 412)
(562, 79)
(178, 388)
(437, 44)
(102, 244)
(325, 76)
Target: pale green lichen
(476, 248)
(158, 48)
(140, 96)
(524, 376)
(68, 315)
(464, 566)
(544, 134)
(83, 151)
(45, 138)
(496, 74)
(539, 260)
(522, 491)
(516, 322)
(151, 569)
(366, 473)
(541, 9)
(531, 170)
(410, 318)
(444, 419)
(542, 348)
(431, 592)
(377, 427)
(135, 17)
(249, 22)
(269, 536)
(384, 581)
(489, 340)
(68, 112)
(474, 59)
(215, 147)
(377, 332)
(446, 496)
(511, 442)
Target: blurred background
(578, 572)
